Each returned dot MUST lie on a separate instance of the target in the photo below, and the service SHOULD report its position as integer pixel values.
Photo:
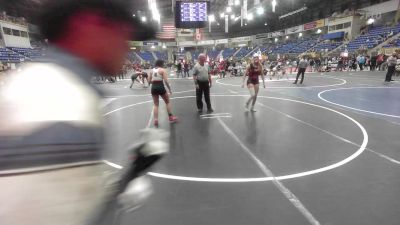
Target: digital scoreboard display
(191, 14)
(194, 12)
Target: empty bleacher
(162, 55)
(28, 52)
(372, 38)
(212, 54)
(228, 52)
(146, 56)
(6, 55)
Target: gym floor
(325, 152)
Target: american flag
(168, 31)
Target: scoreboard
(191, 13)
(194, 12)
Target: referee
(303, 64)
(203, 82)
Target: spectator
(379, 61)
(392, 61)
(373, 63)
(361, 62)
(53, 169)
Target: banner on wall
(241, 39)
(206, 42)
(295, 29)
(278, 33)
(310, 26)
(320, 23)
(168, 44)
(136, 43)
(221, 41)
(187, 43)
(150, 43)
(261, 36)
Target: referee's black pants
(389, 73)
(301, 71)
(204, 87)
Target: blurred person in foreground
(51, 168)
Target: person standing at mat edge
(303, 64)
(392, 61)
(203, 83)
(253, 84)
(51, 128)
(157, 79)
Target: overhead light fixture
(134, 15)
(245, 24)
(237, 2)
(370, 21)
(250, 16)
(287, 37)
(319, 31)
(211, 18)
(237, 18)
(260, 10)
(153, 47)
(217, 24)
(300, 34)
(265, 24)
(222, 15)
(133, 48)
(164, 46)
(276, 39)
(273, 3)
(144, 19)
(232, 17)
(228, 9)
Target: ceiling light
(153, 47)
(164, 46)
(250, 16)
(144, 19)
(232, 17)
(217, 24)
(265, 24)
(300, 34)
(276, 39)
(287, 37)
(237, 2)
(273, 3)
(228, 9)
(245, 24)
(260, 10)
(319, 31)
(222, 15)
(370, 21)
(211, 18)
(134, 15)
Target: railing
(16, 20)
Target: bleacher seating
(162, 55)
(212, 54)
(146, 56)
(228, 52)
(372, 38)
(327, 45)
(242, 52)
(28, 52)
(305, 45)
(395, 43)
(132, 57)
(6, 55)
(195, 55)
